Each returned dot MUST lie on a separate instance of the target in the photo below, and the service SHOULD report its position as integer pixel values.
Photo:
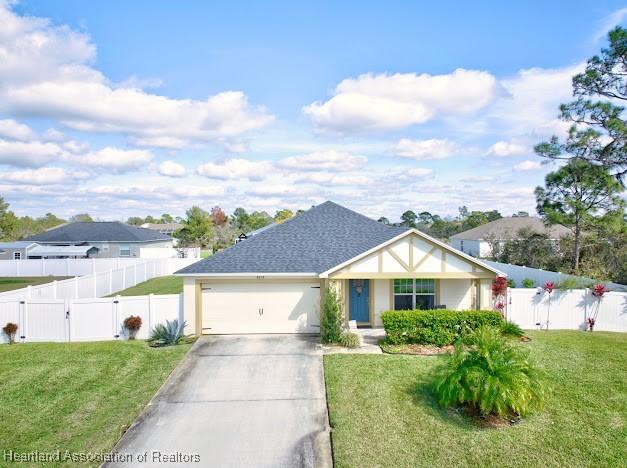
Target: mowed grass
(11, 283)
(78, 396)
(160, 285)
(383, 413)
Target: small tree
(499, 293)
(132, 323)
(598, 292)
(330, 320)
(548, 288)
(10, 330)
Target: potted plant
(132, 323)
(10, 330)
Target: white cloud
(505, 148)
(328, 179)
(424, 149)
(609, 22)
(324, 160)
(528, 165)
(282, 190)
(171, 169)
(43, 176)
(419, 172)
(53, 134)
(390, 102)
(28, 154)
(112, 159)
(235, 168)
(46, 71)
(13, 130)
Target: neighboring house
(24, 250)
(111, 239)
(163, 228)
(17, 250)
(274, 281)
(479, 241)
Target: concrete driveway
(242, 400)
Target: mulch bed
(489, 421)
(416, 349)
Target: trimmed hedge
(435, 327)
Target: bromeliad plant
(490, 375)
(598, 291)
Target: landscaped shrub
(528, 283)
(512, 329)
(330, 319)
(132, 323)
(435, 327)
(349, 339)
(490, 375)
(10, 330)
(168, 334)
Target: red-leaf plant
(597, 291)
(499, 292)
(548, 287)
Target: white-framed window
(410, 294)
(17, 255)
(125, 250)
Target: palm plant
(168, 334)
(491, 375)
(512, 329)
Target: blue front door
(358, 301)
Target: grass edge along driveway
(77, 396)
(383, 413)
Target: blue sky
(135, 108)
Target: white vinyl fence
(101, 283)
(91, 319)
(64, 266)
(568, 310)
(519, 273)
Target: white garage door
(257, 307)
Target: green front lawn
(11, 283)
(77, 397)
(383, 413)
(160, 285)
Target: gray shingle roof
(313, 242)
(99, 231)
(507, 228)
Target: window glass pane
(403, 286)
(425, 302)
(425, 286)
(403, 302)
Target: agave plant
(168, 334)
(490, 375)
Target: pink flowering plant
(548, 287)
(598, 291)
(499, 293)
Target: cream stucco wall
(189, 304)
(381, 296)
(486, 294)
(456, 294)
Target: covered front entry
(359, 301)
(260, 307)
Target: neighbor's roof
(507, 228)
(16, 245)
(162, 226)
(61, 250)
(98, 231)
(313, 242)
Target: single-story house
(17, 250)
(480, 241)
(110, 238)
(25, 250)
(274, 281)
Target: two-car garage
(260, 307)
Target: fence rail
(566, 309)
(90, 319)
(101, 283)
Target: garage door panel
(261, 308)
